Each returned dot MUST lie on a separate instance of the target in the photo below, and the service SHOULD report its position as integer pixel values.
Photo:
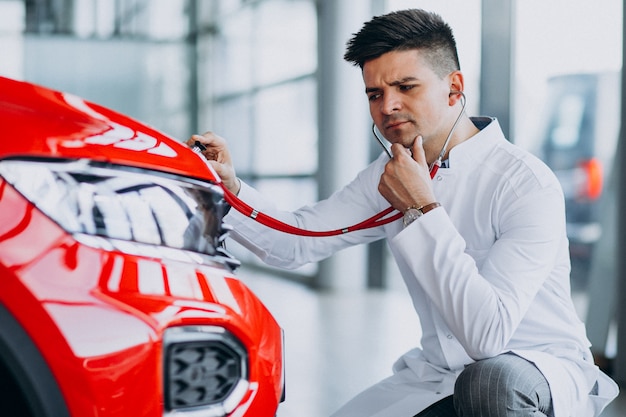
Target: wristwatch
(413, 213)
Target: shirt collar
(478, 146)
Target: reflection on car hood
(38, 121)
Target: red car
(117, 296)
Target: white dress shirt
(488, 272)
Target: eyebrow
(392, 84)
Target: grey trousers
(502, 386)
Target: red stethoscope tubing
(374, 221)
(378, 219)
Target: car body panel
(51, 123)
(98, 317)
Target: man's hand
(218, 156)
(406, 180)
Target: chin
(408, 142)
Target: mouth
(396, 129)
(399, 121)
(395, 124)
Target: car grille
(205, 367)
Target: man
(482, 246)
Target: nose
(390, 103)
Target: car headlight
(206, 371)
(123, 205)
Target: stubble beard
(404, 135)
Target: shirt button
(449, 336)
(439, 177)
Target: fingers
(218, 156)
(208, 139)
(196, 138)
(406, 180)
(417, 150)
(396, 148)
(215, 146)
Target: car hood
(37, 121)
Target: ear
(457, 85)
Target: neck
(464, 130)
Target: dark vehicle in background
(578, 142)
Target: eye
(406, 87)
(373, 97)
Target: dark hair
(405, 30)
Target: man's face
(406, 97)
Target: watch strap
(412, 213)
(428, 207)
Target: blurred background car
(578, 141)
(117, 296)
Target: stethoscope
(434, 167)
(378, 219)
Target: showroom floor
(339, 343)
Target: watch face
(411, 215)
